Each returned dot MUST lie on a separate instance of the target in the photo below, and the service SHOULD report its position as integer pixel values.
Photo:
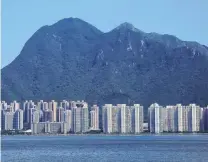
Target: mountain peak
(71, 26)
(128, 26)
(72, 19)
(66, 22)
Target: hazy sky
(186, 19)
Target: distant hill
(73, 60)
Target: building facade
(138, 116)
(53, 108)
(156, 119)
(94, 117)
(49, 127)
(7, 120)
(122, 118)
(18, 120)
(80, 116)
(68, 119)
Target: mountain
(73, 60)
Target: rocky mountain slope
(73, 60)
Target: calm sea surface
(162, 148)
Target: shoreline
(142, 134)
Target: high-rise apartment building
(180, 118)
(194, 117)
(116, 119)
(64, 104)
(189, 118)
(122, 118)
(45, 106)
(202, 119)
(15, 106)
(53, 107)
(155, 114)
(7, 121)
(35, 116)
(68, 119)
(80, 116)
(40, 105)
(76, 119)
(126, 115)
(94, 117)
(3, 105)
(170, 119)
(41, 115)
(48, 116)
(26, 112)
(107, 118)
(85, 118)
(27, 105)
(18, 119)
(205, 119)
(186, 118)
(137, 119)
(60, 114)
(9, 108)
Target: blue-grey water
(165, 148)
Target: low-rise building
(49, 127)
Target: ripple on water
(104, 148)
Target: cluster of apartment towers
(75, 117)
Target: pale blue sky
(186, 19)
